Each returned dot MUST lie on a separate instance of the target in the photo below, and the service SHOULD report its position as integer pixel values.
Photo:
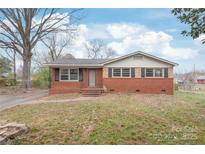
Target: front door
(91, 78)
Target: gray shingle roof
(101, 62)
(79, 61)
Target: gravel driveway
(7, 101)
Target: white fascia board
(142, 53)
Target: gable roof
(101, 62)
(141, 53)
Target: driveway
(7, 101)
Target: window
(121, 72)
(69, 74)
(158, 72)
(73, 74)
(116, 72)
(149, 72)
(64, 74)
(126, 72)
(154, 72)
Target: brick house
(135, 72)
(201, 80)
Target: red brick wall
(84, 83)
(99, 79)
(143, 85)
(64, 87)
(73, 86)
(201, 81)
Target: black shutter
(56, 74)
(109, 72)
(80, 74)
(166, 72)
(132, 72)
(142, 72)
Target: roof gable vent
(138, 57)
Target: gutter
(74, 65)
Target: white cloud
(179, 53)
(133, 38)
(128, 37)
(78, 49)
(122, 30)
(98, 31)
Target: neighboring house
(201, 80)
(135, 72)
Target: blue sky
(157, 26)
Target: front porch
(82, 80)
(92, 91)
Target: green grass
(114, 119)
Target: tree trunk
(14, 58)
(26, 80)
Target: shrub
(7, 82)
(176, 86)
(2, 82)
(40, 78)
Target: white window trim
(113, 72)
(154, 73)
(60, 74)
(69, 75)
(129, 71)
(146, 73)
(77, 74)
(121, 72)
(162, 73)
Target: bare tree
(54, 50)
(55, 46)
(21, 30)
(58, 42)
(97, 49)
(94, 49)
(109, 53)
(189, 81)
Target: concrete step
(92, 91)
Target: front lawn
(61, 97)
(114, 119)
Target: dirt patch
(87, 130)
